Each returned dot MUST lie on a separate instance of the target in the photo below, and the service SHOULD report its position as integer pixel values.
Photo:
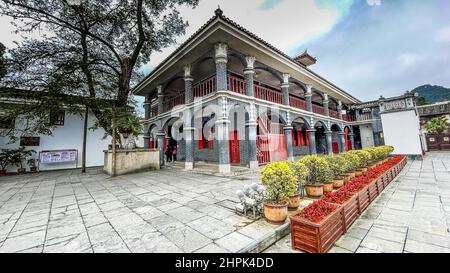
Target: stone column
(308, 97)
(160, 100)
(189, 130)
(160, 146)
(221, 58)
(188, 95)
(325, 105)
(222, 132)
(147, 107)
(289, 149)
(285, 89)
(312, 141)
(342, 142)
(252, 148)
(339, 109)
(352, 139)
(329, 138)
(249, 73)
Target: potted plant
(338, 166)
(32, 163)
(364, 159)
(352, 164)
(18, 156)
(5, 158)
(281, 183)
(301, 174)
(319, 173)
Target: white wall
(69, 136)
(366, 134)
(402, 131)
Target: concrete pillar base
(225, 168)
(291, 158)
(253, 165)
(188, 165)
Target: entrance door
(235, 154)
(335, 147)
(437, 142)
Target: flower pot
(33, 169)
(358, 173)
(337, 183)
(21, 170)
(314, 191)
(275, 213)
(351, 175)
(2, 172)
(294, 202)
(328, 186)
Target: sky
(366, 47)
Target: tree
(2, 61)
(437, 125)
(89, 48)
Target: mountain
(432, 93)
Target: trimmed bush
(319, 171)
(301, 172)
(338, 165)
(280, 182)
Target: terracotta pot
(314, 191)
(294, 202)
(2, 172)
(275, 213)
(337, 183)
(358, 173)
(347, 179)
(351, 175)
(21, 170)
(328, 186)
(33, 169)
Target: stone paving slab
(412, 215)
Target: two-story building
(227, 96)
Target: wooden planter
(380, 185)
(317, 237)
(350, 211)
(373, 190)
(363, 199)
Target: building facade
(227, 96)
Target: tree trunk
(113, 152)
(85, 129)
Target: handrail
(268, 94)
(205, 87)
(297, 103)
(318, 109)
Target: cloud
(442, 35)
(409, 59)
(268, 4)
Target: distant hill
(432, 94)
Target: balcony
(236, 83)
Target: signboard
(30, 141)
(57, 156)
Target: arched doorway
(321, 141)
(335, 130)
(174, 139)
(270, 139)
(300, 137)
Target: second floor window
(57, 118)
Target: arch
(333, 103)
(336, 127)
(303, 120)
(238, 56)
(298, 83)
(320, 123)
(203, 68)
(270, 71)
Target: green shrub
(364, 157)
(338, 165)
(280, 182)
(301, 172)
(319, 171)
(353, 161)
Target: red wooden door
(235, 155)
(349, 145)
(335, 147)
(262, 145)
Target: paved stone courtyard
(162, 211)
(176, 211)
(411, 215)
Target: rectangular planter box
(363, 199)
(380, 185)
(373, 190)
(350, 211)
(317, 237)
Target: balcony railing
(204, 87)
(236, 84)
(346, 117)
(318, 109)
(334, 114)
(268, 94)
(154, 111)
(170, 103)
(297, 103)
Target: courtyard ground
(171, 210)
(411, 215)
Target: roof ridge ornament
(218, 12)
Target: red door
(235, 155)
(349, 145)
(335, 147)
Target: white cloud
(442, 35)
(409, 59)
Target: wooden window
(29, 141)
(57, 118)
